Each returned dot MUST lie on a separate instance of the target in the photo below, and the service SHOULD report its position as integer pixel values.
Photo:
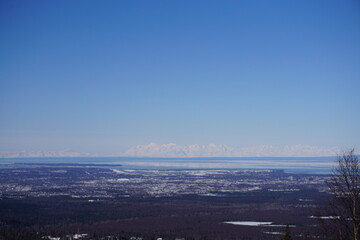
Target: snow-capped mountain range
(221, 150)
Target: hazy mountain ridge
(221, 150)
(174, 150)
(64, 153)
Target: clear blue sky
(102, 76)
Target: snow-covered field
(256, 224)
(249, 223)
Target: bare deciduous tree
(344, 185)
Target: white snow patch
(325, 217)
(279, 225)
(274, 233)
(249, 223)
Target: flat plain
(60, 201)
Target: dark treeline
(190, 217)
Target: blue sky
(102, 76)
